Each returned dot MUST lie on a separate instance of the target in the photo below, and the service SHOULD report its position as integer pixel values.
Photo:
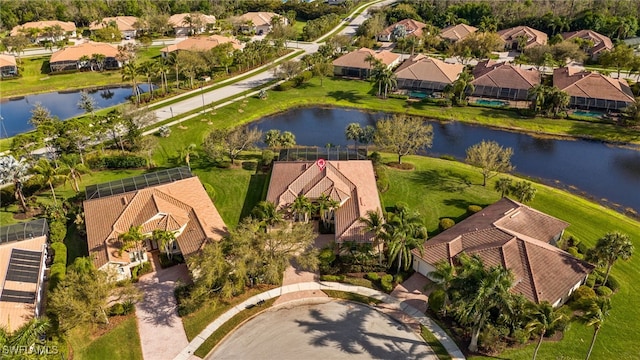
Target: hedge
(436, 301)
(117, 162)
(57, 231)
(60, 253)
(604, 291)
(386, 282)
(56, 274)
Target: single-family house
(48, 30)
(187, 23)
(596, 42)
(517, 237)
(351, 183)
(8, 67)
(406, 27)
(356, 63)
(169, 200)
(75, 57)
(592, 90)
(259, 23)
(457, 32)
(500, 80)
(424, 74)
(23, 253)
(125, 24)
(522, 37)
(200, 43)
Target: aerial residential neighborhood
(266, 179)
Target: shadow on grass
(351, 96)
(447, 180)
(254, 194)
(459, 203)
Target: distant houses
(426, 74)
(499, 80)
(403, 28)
(125, 24)
(358, 64)
(591, 90)
(259, 23)
(77, 57)
(186, 24)
(522, 37)
(8, 67)
(49, 30)
(200, 43)
(594, 43)
(457, 32)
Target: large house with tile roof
(517, 237)
(499, 80)
(125, 24)
(600, 42)
(200, 43)
(355, 64)
(169, 200)
(8, 66)
(457, 32)
(592, 90)
(23, 253)
(426, 74)
(182, 26)
(531, 37)
(260, 22)
(68, 30)
(351, 183)
(406, 27)
(71, 58)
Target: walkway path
(390, 301)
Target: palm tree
(132, 239)
(462, 85)
(44, 172)
(503, 186)
(17, 172)
(374, 223)
(187, 153)
(403, 233)
(611, 247)
(165, 240)
(373, 62)
(595, 316)
(542, 318)
(162, 68)
(443, 277)
(28, 334)
(74, 171)
(147, 70)
(268, 214)
(327, 206)
(537, 95)
(389, 80)
(130, 72)
(523, 191)
(98, 59)
(302, 208)
(558, 99)
(84, 60)
(353, 132)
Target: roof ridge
(534, 286)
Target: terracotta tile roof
(123, 23)
(67, 26)
(504, 75)
(202, 43)
(15, 314)
(413, 27)
(178, 20)
(261, 18)
(421, 67)
(517, 237)
(356, 59)
(74, 53)
(7, 60)
(457, 32)
(600, 42)
(182, 204)
(352, 183)
(591, 85)
(534, 37)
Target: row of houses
(426, 76)
(505, 233)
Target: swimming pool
(492, 102)
(586, 113)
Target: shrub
(612, 283)
(117, 162)
(604, 291)
(382, 180)
(223, 164)
(267, 157)
(375, 158)
(128, 307)
(521, 336)
(57, 231)
(401, 166)
(210, 191)
(386, 282)
(591, 281)
(491, 338)
(436, 301)
(327, 256)
(60, 253)
(448, 157)
(56, 274)
(445, 224)
(116, 310)
(582, 298)
(399, 278)
(334, 278)
(373, 276)
(285, 85)
(249, 165)
(164, 131)
(398, 96)
(573, 251)
(472, 209)
(304, 77)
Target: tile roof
(600, 42)
(591, 85)
(74, 53)
(356, 59)
(182, 204)
(123, 23)
(67, 26)
(457, 32)
(422, 67)
(202, 43)
(352, 183)
(504, 75)
(178, 20)
(534, 37)
(7, 60)
(517, 237)
(412, 27)
(261, 18)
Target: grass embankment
(229, 326)
(440, 188)
(120, 342)
(436, 346)
(36, 77)
(351, 297)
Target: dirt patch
(401, 166)
(102, 329)
(28, 215)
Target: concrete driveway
(162, 335)
(333, 330)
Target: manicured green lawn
(298, 26)
(121, 342)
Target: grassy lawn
(121, 342)
(36, 78)
(351, 297)
(229, 326)
(298, 26)
(437, 347)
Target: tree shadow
(351, 96)
(255, 193)
(45, 69)
(459, 203)
(442, 180)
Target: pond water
(16, 112)
(606, 173)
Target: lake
(16, 112)
(608, 174)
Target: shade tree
(490, 158)
(231, 143)
(403, 135)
